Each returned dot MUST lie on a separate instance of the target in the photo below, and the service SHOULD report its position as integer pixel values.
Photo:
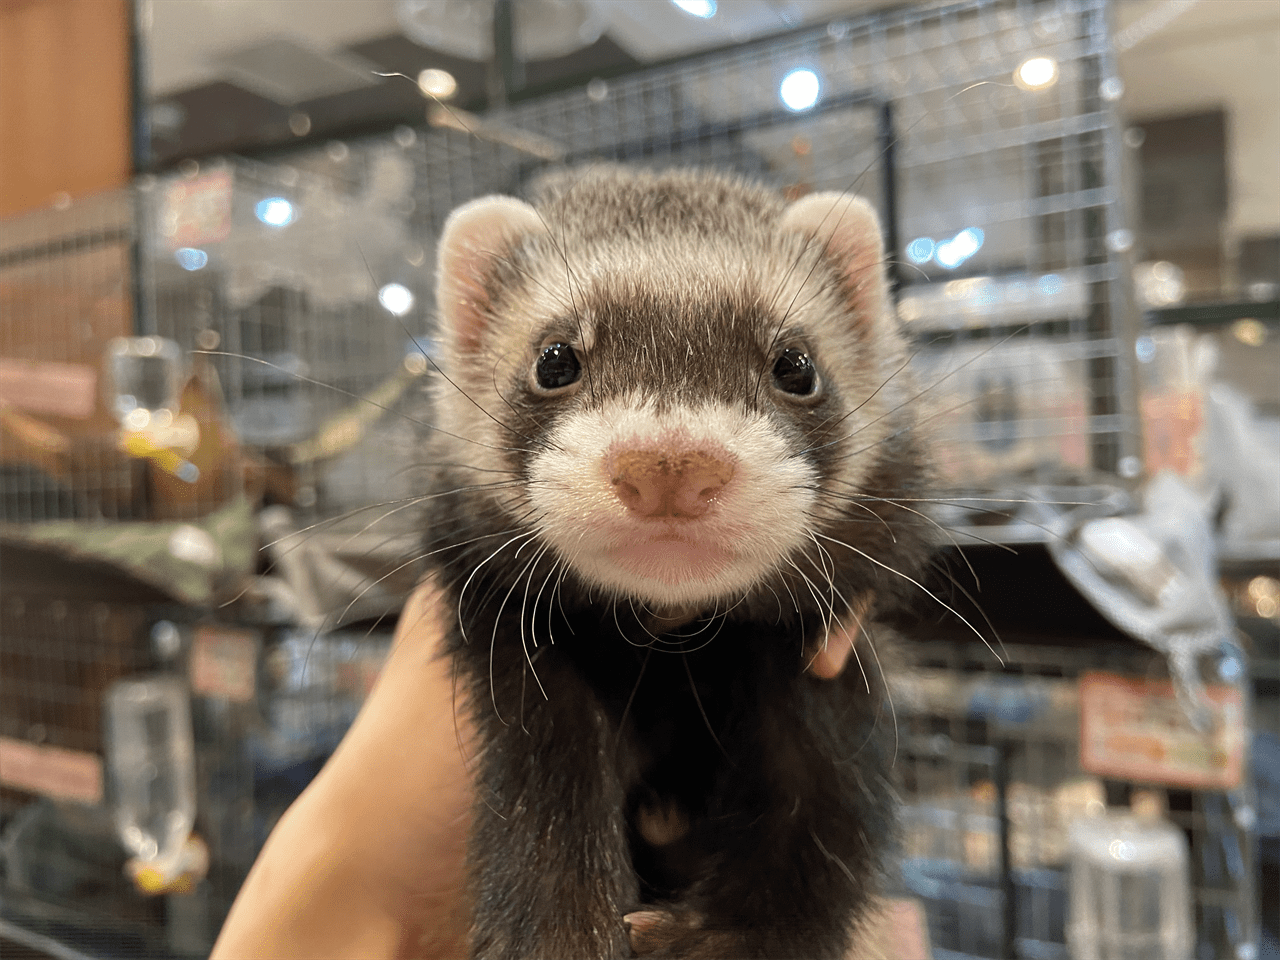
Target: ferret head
(688, 376)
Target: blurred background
(217, 243)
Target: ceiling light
(189, 258)
(437, 84)
(703, 9)
(397, 298)
(799, 89)
(1050, 284)
(951, 253)
(274, 211)
(1036, 73)
(1249, 331)
(920, 250)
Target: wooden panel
(64, 99)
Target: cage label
(57, 389)
(224, 663)
(52, 771)
(1135, 729)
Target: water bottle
(151, 766)
(1130, 892)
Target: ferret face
(679, 368)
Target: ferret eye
(794, 372)
(557, 366)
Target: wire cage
(991, 771)
(304, 282)
(1002, 210)
(285, 307)
(66, 289)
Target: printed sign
(59, 389)
(224, 663)
(1171, 425)
(1136, 729)
(51, 771)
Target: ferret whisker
(369, 586)
(496, 583)
(693, 688)
(707, 623)
(330, 521)
(795, 602)
(823, 607)
(942, 529)
(960, 500)
(777, 332)
(543, 441)
(867, 399)
(844, 867)
(742, 598)
(828, 565)
(776, 596)
(613, 607)
(828, 568)
(894, 261)
(459, 464)
(715, 618)
(493, 640)
(533, 616)
(431, 360)
(527, 574)
(967, 503)
(922, 587)
(532, 277)
(562, 250)
(559, 596)
(901, 431)
(863, 631)
(626, 710)
(355, 396)
(857, 502)
(973, 601)
(908, 402)
(643, 626)
(463, 592)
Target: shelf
(1216, 314)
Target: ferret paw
(654, 933)
(665, 934)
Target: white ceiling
(1218, 54)
(187, 40)
(1213, 53)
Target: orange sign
(51, 771)
(1134, 729)
(224, 663)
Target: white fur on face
(756, 521)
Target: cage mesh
(298, 290)
(989, 766)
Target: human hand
(370, 860)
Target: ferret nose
(661, 485)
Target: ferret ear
(474, 237)
(849, 230)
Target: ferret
(676, 441)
